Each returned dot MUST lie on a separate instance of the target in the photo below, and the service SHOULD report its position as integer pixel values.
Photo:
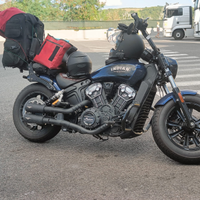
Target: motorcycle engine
(103, 111)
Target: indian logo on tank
(123, 68)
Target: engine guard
(170, 96)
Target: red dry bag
(52, 51)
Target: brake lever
(146, 19)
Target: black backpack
(24, 35)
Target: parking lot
(72, 166)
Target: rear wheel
(177, 141)
(31, 131)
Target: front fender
(170, 96)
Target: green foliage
(113, 14)
(48, 10)
(44, 9)
(79, 10)
(154, 13)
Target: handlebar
(141, 25)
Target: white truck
(196, 18)
(178, 21)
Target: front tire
(178, 34)
(178, 142)
(33, 132)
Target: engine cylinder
(96, 94)
(124, 95)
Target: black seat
(64, 81)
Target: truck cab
(177, 21)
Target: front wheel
(178, 34)
(174, 139)
(33, 132)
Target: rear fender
(53, 82)
(170, 96)
(44, 80)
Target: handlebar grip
(134, 16)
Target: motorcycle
(114, 101)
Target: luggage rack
(32, 77)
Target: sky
(138, 3)
(142, 3)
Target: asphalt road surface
(80, 167)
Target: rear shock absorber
(55, 98)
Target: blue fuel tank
(129, 72)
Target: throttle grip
(134, 16)
(141, 25)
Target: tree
(81, 9)
(46, 10)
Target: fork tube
(172, 82)
(166, 89)
(181, 102)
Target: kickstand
(100, 138)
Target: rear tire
(33, 132)
(176, 141)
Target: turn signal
(181, 97)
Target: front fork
(180, 100)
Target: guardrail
(88, 25)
